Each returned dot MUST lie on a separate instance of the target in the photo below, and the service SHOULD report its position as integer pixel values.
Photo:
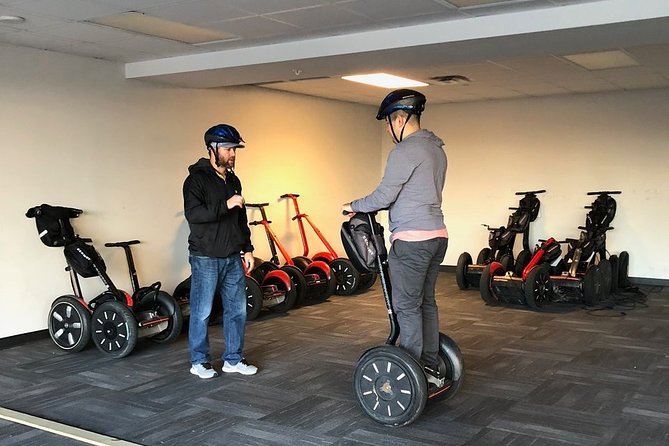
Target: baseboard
(13, 341)
(635, 280)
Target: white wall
(75, 133)
(567, 145)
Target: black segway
(389, 384)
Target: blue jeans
(209, 275)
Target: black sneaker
(434, 378)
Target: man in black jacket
(219, 233)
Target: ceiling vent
(452, 79)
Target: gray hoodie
(412, 184)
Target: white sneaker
(241, 367)
(204, 370)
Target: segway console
(390, 384)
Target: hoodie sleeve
(197, 207)
(397, 173)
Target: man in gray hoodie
(411, 189)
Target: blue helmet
(410, 101)
(224, 134)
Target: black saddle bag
(84, 259)
(363, 243)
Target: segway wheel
(390, 386)
(330, 287)
(607, 279)
(301, 262)
(522, 260)
(253, 298)
(464, 261)
(69, 324)
(453, 370)
(114, 329)
(623, 270)
(538, 288)
(507, 262)
(592, 286)
(485, 285)
(164, 305)
(346, 276)
(484, 256)
(366, 281)
(182, 296)
(614, 273)
(300, 289)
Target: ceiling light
(11, 19)
(165, 29)
(385, 80)
(602, 60)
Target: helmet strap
(392, 129)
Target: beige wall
(75, 133)
(567, 145)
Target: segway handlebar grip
(255, 223)
(122, 244)
(541, 191)
(256, 205)
(86, 240)
(289, 195)
(608, 192)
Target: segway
(114, 319)
(584, 274)
(390, 385)
(500, 243)
(349, 279)
(316, 282)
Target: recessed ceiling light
(602, 60)
(384, 80)
(152, 26)
(11, 19)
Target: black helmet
(410, 101)
(225, 134)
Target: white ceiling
(507, 48)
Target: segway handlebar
(289, 195)
(608, 192)
(122, 244)
(531, 192)
(256, 205)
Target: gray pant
(414, 267)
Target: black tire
(254, 297)
(454, 369)
(301, 262)
(300, 287)
(261, 269)
(507, 262)
(182, 296)
(485, 285)
(366, 281)
(623, 270)
(166, 305)
(464, 261)
(390, 386)
(607, 279)
(330, 287)
(69, 324)
(614, 273)
(592, 286)
(522, 260)
(114, 329)
(484, 257)
(347, 278)
(538, 288)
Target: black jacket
(215, 230)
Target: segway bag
(84, 259)
(362, 244)
(53, 224)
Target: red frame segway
(349, 279)
(316, 282)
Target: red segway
(349, 279)
(316, 282)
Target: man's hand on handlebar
(347, 210)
